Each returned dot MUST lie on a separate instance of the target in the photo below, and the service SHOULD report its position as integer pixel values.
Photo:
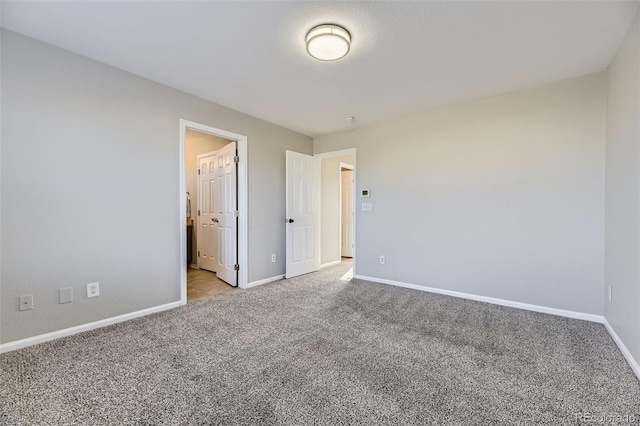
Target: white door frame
(243, 228)
(341, 153)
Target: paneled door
(208, 227)
(226, 215)
(302, 214)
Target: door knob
(290, 220)
(215, 219)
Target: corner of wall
(622, 195)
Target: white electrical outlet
(382, 260)
(26, 302)
(367, 207)
(93, 290)
(273, 258)
(609, 295)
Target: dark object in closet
(189, 244)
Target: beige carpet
(318, 350)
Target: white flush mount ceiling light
(328, 42)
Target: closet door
(226, 208)
(207, 222)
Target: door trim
(243, 179)
(345, 166)
(340, 153)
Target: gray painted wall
(622, 264)
(330, 192)
(503, 197)
(87, 150)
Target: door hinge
(198, 253)
(198, 212)
(198, 171)
(236, 159)
(236, 267)
(236, 213)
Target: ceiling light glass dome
(328, 42)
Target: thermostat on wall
(366, 193)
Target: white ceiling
(406, 57)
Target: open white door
(346, 215)
(226, 214)
(207, 227)
(303, 214)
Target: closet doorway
(214, 211)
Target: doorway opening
(213, 214)
(338, 201)
(346, 210)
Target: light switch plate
(26, 302)
(66, 295)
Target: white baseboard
(492, 300)
(265, 281)
(632, 362)
(326, 265)
(30, 341)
